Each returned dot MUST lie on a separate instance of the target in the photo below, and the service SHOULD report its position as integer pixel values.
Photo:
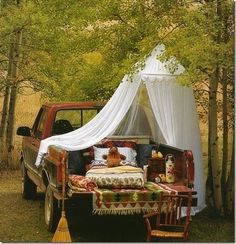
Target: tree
(212, 25)
(41, 59)
(7, 122)
(199, 34)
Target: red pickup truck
(60, 118)
(52, 119)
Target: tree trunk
(225, 138)
(225, 184)
(5, 109)
(230, 187)
(209, 182)
(13, 94)
(3, 151)
(213, 140)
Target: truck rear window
(68, 120)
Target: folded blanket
(117, 177)
(116, 170)
(80, 181)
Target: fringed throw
(127, 201)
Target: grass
(23, 221)
(20, 220)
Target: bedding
(99, 152)
(102, 163)
(81, 183)
(127, 201)
(117, 177)
(111, 143)
(129, 153)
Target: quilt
(80, 183)
(121, 177)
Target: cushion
(144, 152)
(130, 144)
(129, 153)
(117, 177)
(86, 155)
(91, 151)
(103, 164)
(99, 152)
(76, 164)
(98, 163)
(127, 163)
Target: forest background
(80, 50)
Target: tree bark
(13, 95)
(225, 138)
(209, 182)
(213, 140)
(229, 207)
(3, 151)
(4, 112)
(225, 184)
(5, 109)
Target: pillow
(76, 164)
(99, 152)
(126, 163)
(129, 153)
(130, 144)
(91, 151)
(144, 152)
(98, 164)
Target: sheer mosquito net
(140, 119)
(150, 102)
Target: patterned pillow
(91, 152)
(99, 152)
(129, 153)
(130, 144)
(126, 163)
(98, 164)
(103, 164)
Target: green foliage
(57, 36)
(195, 43)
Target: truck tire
(52, 213)
(29, 189)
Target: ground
(23, 221)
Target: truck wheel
(29, 189)
(51, 210)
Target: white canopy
(147, 102)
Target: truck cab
(52, 119)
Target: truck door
(33, 142)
